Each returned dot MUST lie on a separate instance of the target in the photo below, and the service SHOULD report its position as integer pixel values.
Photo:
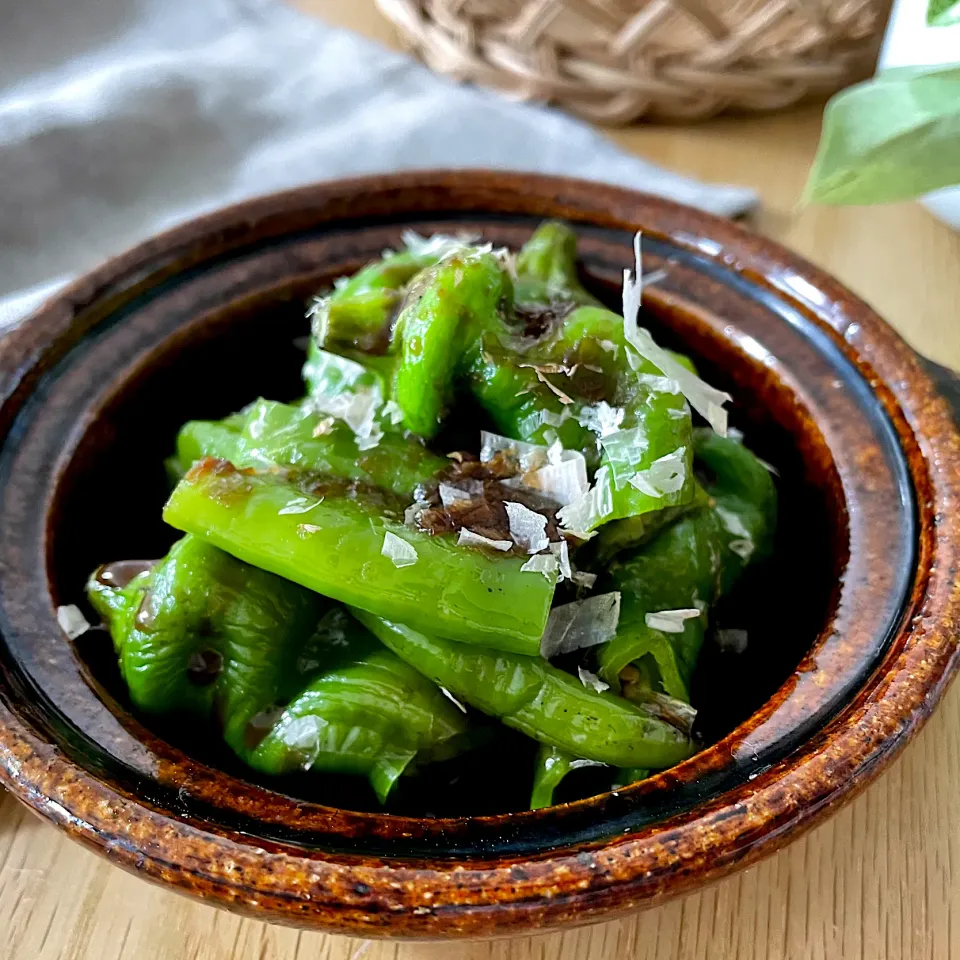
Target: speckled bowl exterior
(870, 427)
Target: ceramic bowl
(857, 633)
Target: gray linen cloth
(119, 118)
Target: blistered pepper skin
(358, 313)
(333, 544)
(280, 434)
(547, 267)
(364, 712)
(204, 634)
(691, 564)
(539, 700)
(449, 301)
(201, 628)
(583, 353)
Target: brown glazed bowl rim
(497, 895)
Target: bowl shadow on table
(781, 605)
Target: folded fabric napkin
(119, 118)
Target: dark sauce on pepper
(203, 667)
(482, 510)
(119, 574)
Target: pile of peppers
(350, 597)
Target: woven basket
(614, 61)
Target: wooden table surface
(879, 881)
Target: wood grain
(880, 881)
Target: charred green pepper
(280, 434)
(580, 381)
(546, 268)
(337, 541)
(449, 301)
(688, 567)
(203, 633)
(530, 695)
(364, 711)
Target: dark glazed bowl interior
(195, 324)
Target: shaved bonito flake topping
(601, 418)
(581, 624)
(584, 579)
(468, 538)
(732, 522)
(357, 406)
(659, 384)
(743, 545)
(413, 511)
(582, 762)
(527, 527)
(562, 554)
(439, 246)
(398, 551)
(591, 507)
(555, 419)
(742, 548)
(298, 505)
(664, 476)
(319, 304)
(562, 482)
(450, 494)
(549, 384)
(302, 735)
(368, 440)
(529, 456)
(591, 681)
(391, 410)
(72, 621)
(670, 621)
(622, 450)
(544, 563)
(706, 400)
(554, 472)
(453, 699)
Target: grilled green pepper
(530, 695)
(205, 634)
(580, 381)
(448, 303)
(689, 566)
(547, 267)
(337, 542)
(280, 434)
(358, 312)
(552, 765)
(200, 628)
(364, 711)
